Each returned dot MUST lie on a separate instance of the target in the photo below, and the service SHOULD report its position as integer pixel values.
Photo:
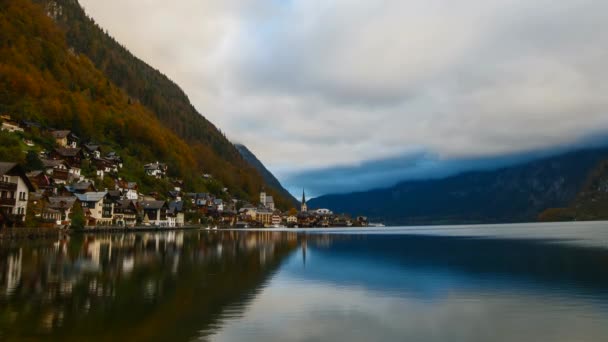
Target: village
(60, 195)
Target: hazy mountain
(511, 194)
(269, 178)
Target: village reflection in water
(139, 285)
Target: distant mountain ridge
(512, 194)
(269, 178)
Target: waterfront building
(98, 208)
(15, 188)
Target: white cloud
(315, 83)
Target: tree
(293, 212)
(33, 162)
(78, 218)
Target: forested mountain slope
(61, 70)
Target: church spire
(304, 207)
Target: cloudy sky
(350, 94)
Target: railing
(8, 201)
(8, 186)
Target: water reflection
(283, 286)
(142, 286)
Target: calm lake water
(527, 282)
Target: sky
(344, 95)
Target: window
(22, 195)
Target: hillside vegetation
(73, 76)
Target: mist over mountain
(510, 194)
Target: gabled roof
(62, 202)
(5, 168)
(153, 204)
(50, 163)
(91, 147)
(60, 134)
(91, 196)
(125, 204)
(176, 206)
(82, 186)
(68, 152)
(116, 194)
(14, 169)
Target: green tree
(33, 162)
(78, 218)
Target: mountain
(512, 194)
(269, 178)
(59, 69)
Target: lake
(525, 282)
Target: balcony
(8, 186)
(8, 202)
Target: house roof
(14, 169)
(115, 193)
(34, 174)
(6, 167)
(125, 204)
(61, 202)
(153, 204)
(91, 196)
(82, 185)
(67, 152)
(60, 134)
(91, 147)
(176, 206)
(50, 163)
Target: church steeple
(304, 207)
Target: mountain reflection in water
(380, 285)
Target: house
(276, 220)
(125, 213)
(154, 213)
(11, 126)
(175, 214)
(264, 216)
(115, 195)
(105, 165)
(266, 201)
(72, 156)
(61, 137)
(30, 126)
(129, 190)
(59, 170)
(158, 170)
(115, 159)
(50, 165)
(39, 179)
(15, 188)
(81, 188)
(98, 208)
(323, 212)
(63, 205)
(92, 151)
(292, 220)
(218, 204)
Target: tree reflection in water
(169, 285)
